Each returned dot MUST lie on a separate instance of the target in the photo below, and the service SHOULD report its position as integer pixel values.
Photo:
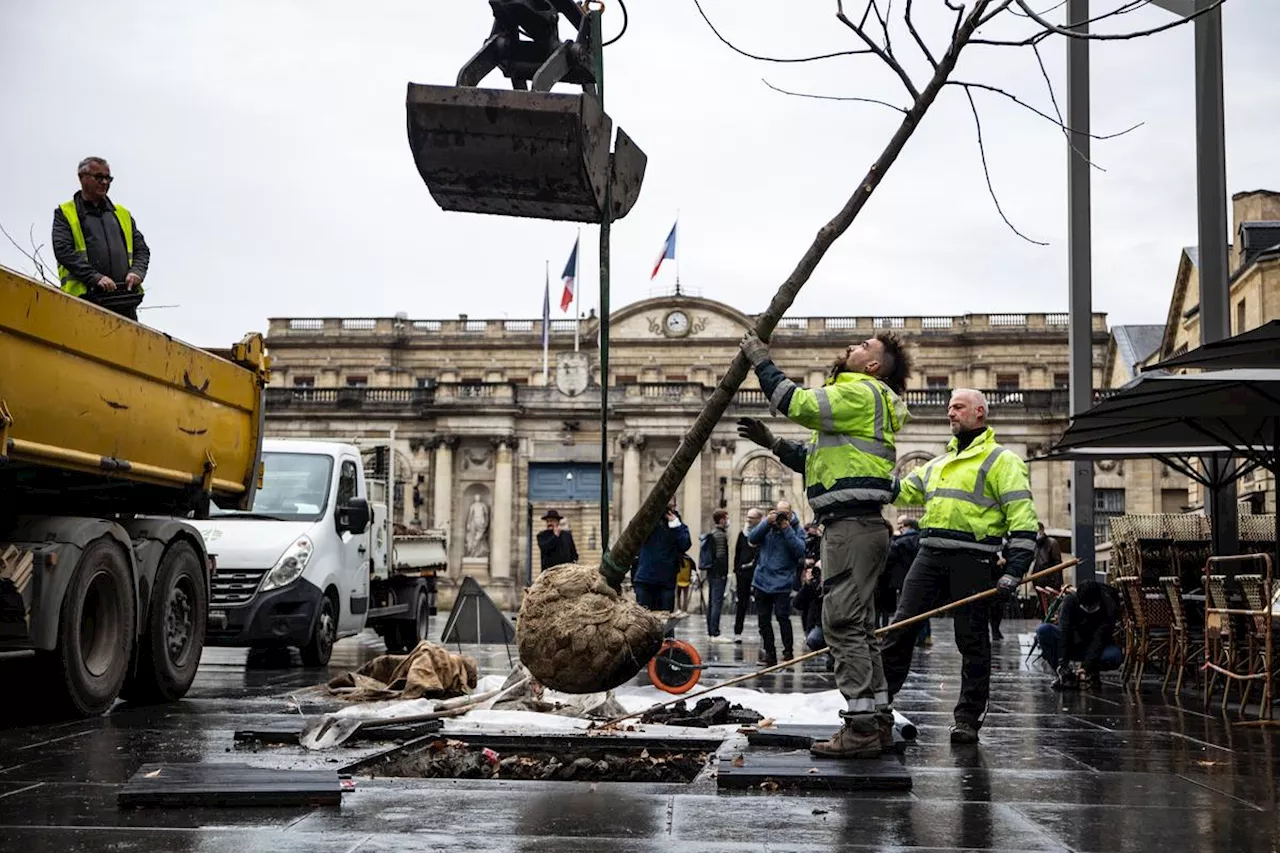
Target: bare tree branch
(739, 50)
(878, 51)
(884, 25)
(1058, 121)
(38, 263)
(1053, 29)
(986, 172)
(1004, 4)
(958, 8)
(915, 34)
(1053, 99)
(833, 97)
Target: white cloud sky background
(262, 147)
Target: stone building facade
(478, 422)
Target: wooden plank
(800, 771)
(234, 785)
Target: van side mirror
(354, 516)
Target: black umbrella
(1258, 347)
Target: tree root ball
(577, 635)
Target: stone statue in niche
(476, 543)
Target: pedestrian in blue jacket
(655, 574)
(777, 573)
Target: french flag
(668, 251)
(570, 277)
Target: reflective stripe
(1022, 544)
(824, 410)
(875, 395)
(980, 484)
(826, 499)
(784, 387)
(882, 699)
(943, 543)
(862, 706)
(1019, 495)
(962, 495)
(875, 448)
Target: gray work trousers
(853, 556)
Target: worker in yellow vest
(975, 495)
(101, 254)
(848, 461)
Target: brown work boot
(886, 731)
(848, 743)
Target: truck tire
(403, 635)
(170, 647)
(95, 633)
(323, 635)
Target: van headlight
(290, 565)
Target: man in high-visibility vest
(974, 495)
(101, 254)
(848, 472)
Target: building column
(442, 496)
(503, 495)
(632, 444)
(691, 503)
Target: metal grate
(234, 586)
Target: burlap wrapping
(577, 635)
(429, 671)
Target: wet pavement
(1111, 771)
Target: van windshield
(295, 487)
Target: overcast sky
(261, 146)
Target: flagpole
(577, 288)
(676, 228)
(546, 320)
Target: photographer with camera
(781, 550)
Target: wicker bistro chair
(1186, 643)
(1259, 651)
(1153, 624)
(1252, 648)
(1220, 646)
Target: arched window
(764, 482)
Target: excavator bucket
(521, 153)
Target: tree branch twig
(915, 34)
(887, 58)
(1058, 121)
(749, 55)
(38, 263)
(833, 97)
(986, 171)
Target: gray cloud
(262, 147)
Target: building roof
(1137, 343)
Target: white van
(314, 560)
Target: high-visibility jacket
(851, 453)
(973, 499)
(73, 285)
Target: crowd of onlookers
(772, 569)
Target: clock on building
(676, 324)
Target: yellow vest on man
(973, 498)
(75, 286)
(851, 454)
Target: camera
(781, 517)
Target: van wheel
(323, 636)
(169, 652)
(418, 630)
(95, 633)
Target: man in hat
(556, 545)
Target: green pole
(606, 220)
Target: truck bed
(95, 409)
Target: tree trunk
(627, 549)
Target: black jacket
(103, 242)
(744, 555)
(556, 550)
(1085, 635)
(902, 553)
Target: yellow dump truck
(111, 434)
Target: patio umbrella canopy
(1256, 348)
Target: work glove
(755, 431)
(1006, 586)
(756, 350)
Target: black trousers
(745, 595)
(769, 606)
(936, 578)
